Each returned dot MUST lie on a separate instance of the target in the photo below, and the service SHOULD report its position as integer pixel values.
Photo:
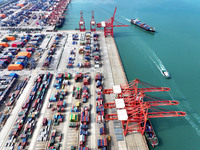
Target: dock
(135, 140)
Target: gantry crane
(81, 23)
(93, 23)
(108, 25)
(134, 106)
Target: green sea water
(175, 46)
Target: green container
(58, 146)
(38, 93)
(72, 147)
(52, 141)
(4, 40)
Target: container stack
(54, 97)
(75, 109)
(100, 110)
(84, 125)
(82, 140)
(83, 148)
(86, 79)
(74, 118)
(30, 109)
(10, 38)
(78, 77)
(4, 61)
(57, 119)
(78, 93)
(67, 76)
(59, 80)
(4, 44)
(52, 51)
(85, 118)
(70, 63)
(27, 54)
(102, 143)
(103, 129)
(44, 132)
(6, 83)
(85, 94)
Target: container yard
(33, 15)
(60, 89)
(67, 112)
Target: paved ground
(135, 140)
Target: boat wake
(126, 19)
(152, 55)
(192, 117)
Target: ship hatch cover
(119, 103)
(103, 23)
(122, 114)
(117, 89)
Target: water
(175, 47)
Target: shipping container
(4, 44)
(15, 67)
(27, 54)
(10, 38)
(13, 74)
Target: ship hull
(143, 26)
(150, 134)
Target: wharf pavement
(133, 141)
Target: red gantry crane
(93, 23)
(81, 23)
(109, 24)
(134, 106)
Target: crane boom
(108, 25)
(81, 23)
(137, 106)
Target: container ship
(60, 22)
(150, 134)
(166, 74)
(138, 23)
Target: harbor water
(174, 46)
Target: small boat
(138, 23)
(166, 74)
(150, 134)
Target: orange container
(10, 38)
(20, 5)
(4, 44)
(2, 16)
(27, 54)
(15, 67)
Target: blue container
(21, 63)
(87, 58)
(22, 57)
(13, 74)
(99, 142)
(87, 48)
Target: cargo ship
(150, 134)
(138, 23)
(60, 22)
(166, 74)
